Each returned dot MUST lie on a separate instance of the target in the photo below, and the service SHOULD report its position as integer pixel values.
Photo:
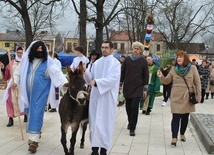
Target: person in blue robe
(34, 74)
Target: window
(7, 44)
(115, 45)
(122, 47)
(48, 46)
(158, 47)
(74, 45)
(69, 46)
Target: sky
(67, 24)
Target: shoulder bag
(192, 98)
(212, 82)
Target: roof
(124, 36)
(1, 35)
(44, 35)
(157, 36)
(119, 36)
(13, 36)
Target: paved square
(153, 134)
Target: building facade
(13, 39)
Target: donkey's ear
(68, 68)
(81, 68)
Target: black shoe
(95, 151)
(10, 122)
(173, 143)
(206, 98)
(52, 110)
(143, 112)
(103, 151)
(128, 127)
(148, 113)
(25, 118)
(132, 133)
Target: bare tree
(179, 21)
(133, 18)
(32, 14)
(97, 13)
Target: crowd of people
(35, 79)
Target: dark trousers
(132, 110)
(179, 120)
(166, 92)
(203, 92)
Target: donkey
(73, 108)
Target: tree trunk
(99, 25)
(82, 22)
(28, 28)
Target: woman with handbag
(185, 80)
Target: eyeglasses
(105, 47)
(19, 52)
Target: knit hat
(138, 44)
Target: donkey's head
(77, 88)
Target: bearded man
(34, 74)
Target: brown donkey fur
(73, 109)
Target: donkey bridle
(78, 95)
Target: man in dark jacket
(135, 78)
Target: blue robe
(38, 88)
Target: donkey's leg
(64, 129)
(73, 138)
(84, 128)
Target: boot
(95, 151)
(207, 95)
(103, 151)
(10, 122)
(25, 118)
(32, 146)
(212, 94)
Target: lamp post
(87, 44)
(207, 48)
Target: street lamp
(207, 48)
(87, 45)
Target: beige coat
(179, 94)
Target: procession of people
(35, 79)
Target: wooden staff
(54, 40)
(15, 92)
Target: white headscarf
(17, 58)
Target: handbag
(192, 97)
(212, 82)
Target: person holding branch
(182, 76)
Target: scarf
(17, 58)
(135, 58)
(182, 71)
